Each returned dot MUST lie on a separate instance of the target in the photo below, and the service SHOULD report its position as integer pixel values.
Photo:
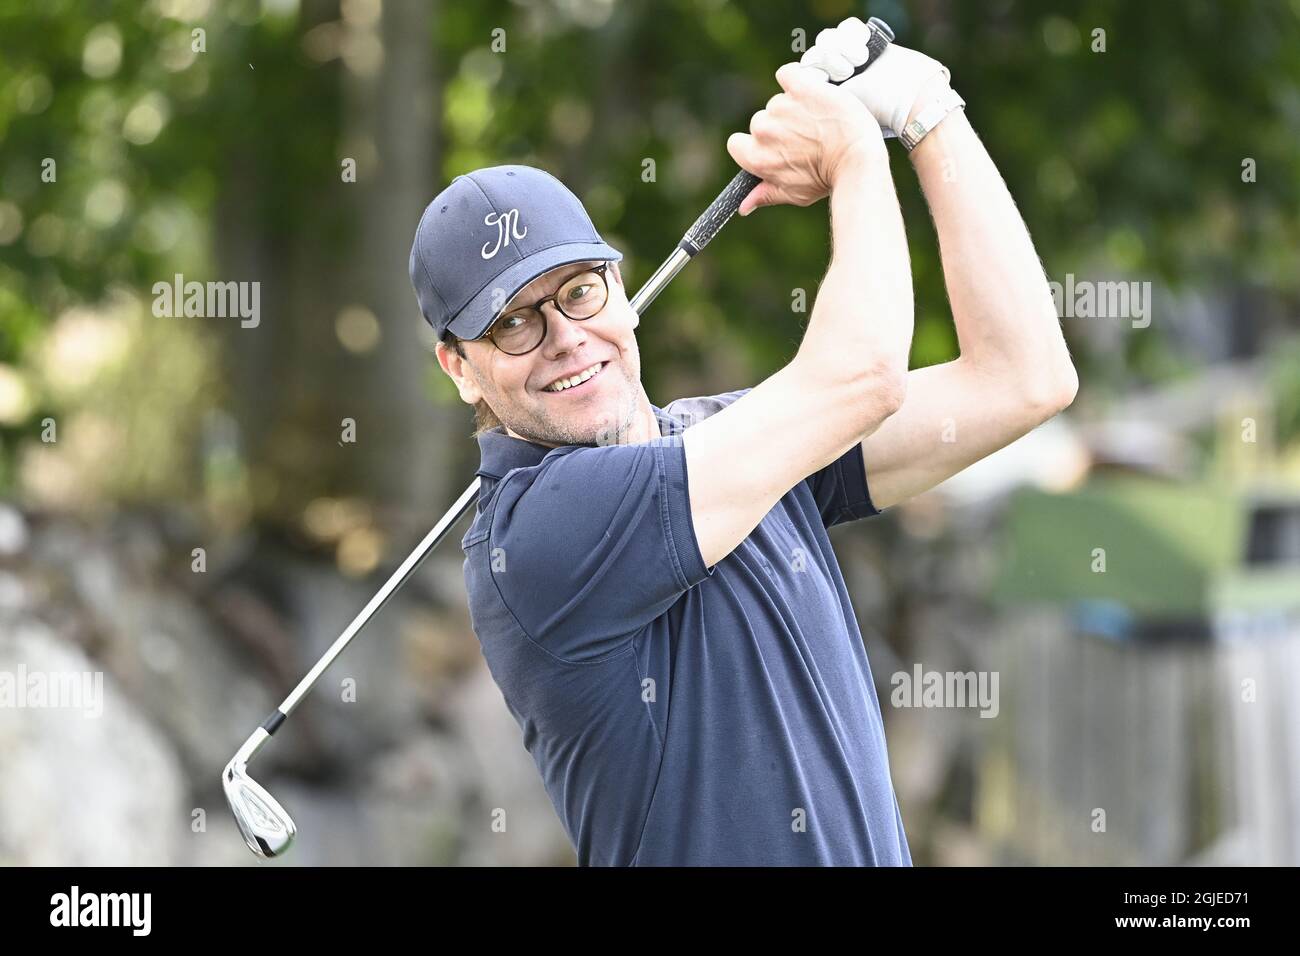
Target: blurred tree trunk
(293, 380)
(403, 437)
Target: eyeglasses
(519, 331)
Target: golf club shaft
(708, 225)
(398, 578)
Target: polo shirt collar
(500, 453)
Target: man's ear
(460, 370)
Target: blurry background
(183, 512)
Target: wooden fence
(1189, 748)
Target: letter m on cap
(507, 223)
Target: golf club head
(267, 827)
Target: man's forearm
(1001, 304)
(861, 320)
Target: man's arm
(1014, 371)
(849, 372)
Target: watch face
(929, 118)
(912, 133)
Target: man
(654, 588)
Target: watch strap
(929, 117)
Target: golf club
(266, 826)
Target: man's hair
(484, 418)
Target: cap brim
(476, 318)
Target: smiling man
(590, 391)
(653, 587)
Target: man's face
(607, 409)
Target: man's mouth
(575, 383)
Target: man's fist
(894, 85)
(802, 139)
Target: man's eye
(511, 322)
(580, 290)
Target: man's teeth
(578, 379)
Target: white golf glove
(890, 88)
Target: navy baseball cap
(489, 234)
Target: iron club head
(267, 827)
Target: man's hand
(895, 87)
(802, 140)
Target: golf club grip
(724, 207)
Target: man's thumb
(760, 195)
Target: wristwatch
(929, 118)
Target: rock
(411, 772)
(161, 649)
(79, 789)
(13, 530)
(13, 595)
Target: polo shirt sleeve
(593, 544)
(839, 490)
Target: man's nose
(563, 334)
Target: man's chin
(589, 428)
(606, 432)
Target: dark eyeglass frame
(555, 298)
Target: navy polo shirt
(681, 715)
